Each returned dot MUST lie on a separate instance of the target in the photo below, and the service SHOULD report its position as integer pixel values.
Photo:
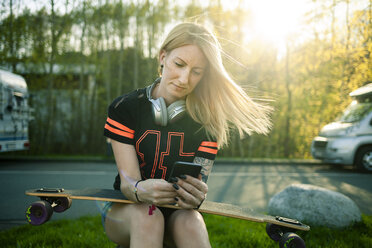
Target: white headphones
(161, 114)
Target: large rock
(315, 206)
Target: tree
(58, 26)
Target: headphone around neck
(161, 113)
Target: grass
(227, 232)
(224, 232)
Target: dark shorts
(106, 208)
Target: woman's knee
(187, 229)
(125, 221)
(189, 221)
(146, 218)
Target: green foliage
(358, 235)
(223, 232)
(84, 232)
(228, 232)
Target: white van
(348, 140)
(15, 113)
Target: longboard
(58, 200)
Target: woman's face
(183, 69)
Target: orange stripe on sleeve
(120, 126)
(119, 132)
(209, 143)
(208, 150)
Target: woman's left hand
(191, 192)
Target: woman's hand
(152, 191)
(156, 191)
(191, 191)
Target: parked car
(348, 140)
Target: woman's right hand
(156, 191)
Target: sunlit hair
(217, 102)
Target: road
(248, 185)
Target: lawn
(224, 232)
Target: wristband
(136, 190)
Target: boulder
(315, 206)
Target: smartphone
(185, 168)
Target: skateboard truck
(40, 212)
(288, 220)
(50, 190)
(285, 236)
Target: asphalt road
(247, 185)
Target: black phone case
(185, 168)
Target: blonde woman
(185, 115)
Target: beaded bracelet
(136, 190)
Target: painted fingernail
(176, 186)
(176, 199)
(182, 176)
(173, 179)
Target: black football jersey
(130, 120)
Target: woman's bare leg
(130, 225)
(186, 228)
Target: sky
(277, 20)
(272, 20)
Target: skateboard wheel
(39, 212)
(274, 231)
(291, 240)
(63, 203)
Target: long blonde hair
(218, 103)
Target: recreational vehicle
(348, 140)
(15, 113)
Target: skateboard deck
(58, 200)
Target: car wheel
(364, 159)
